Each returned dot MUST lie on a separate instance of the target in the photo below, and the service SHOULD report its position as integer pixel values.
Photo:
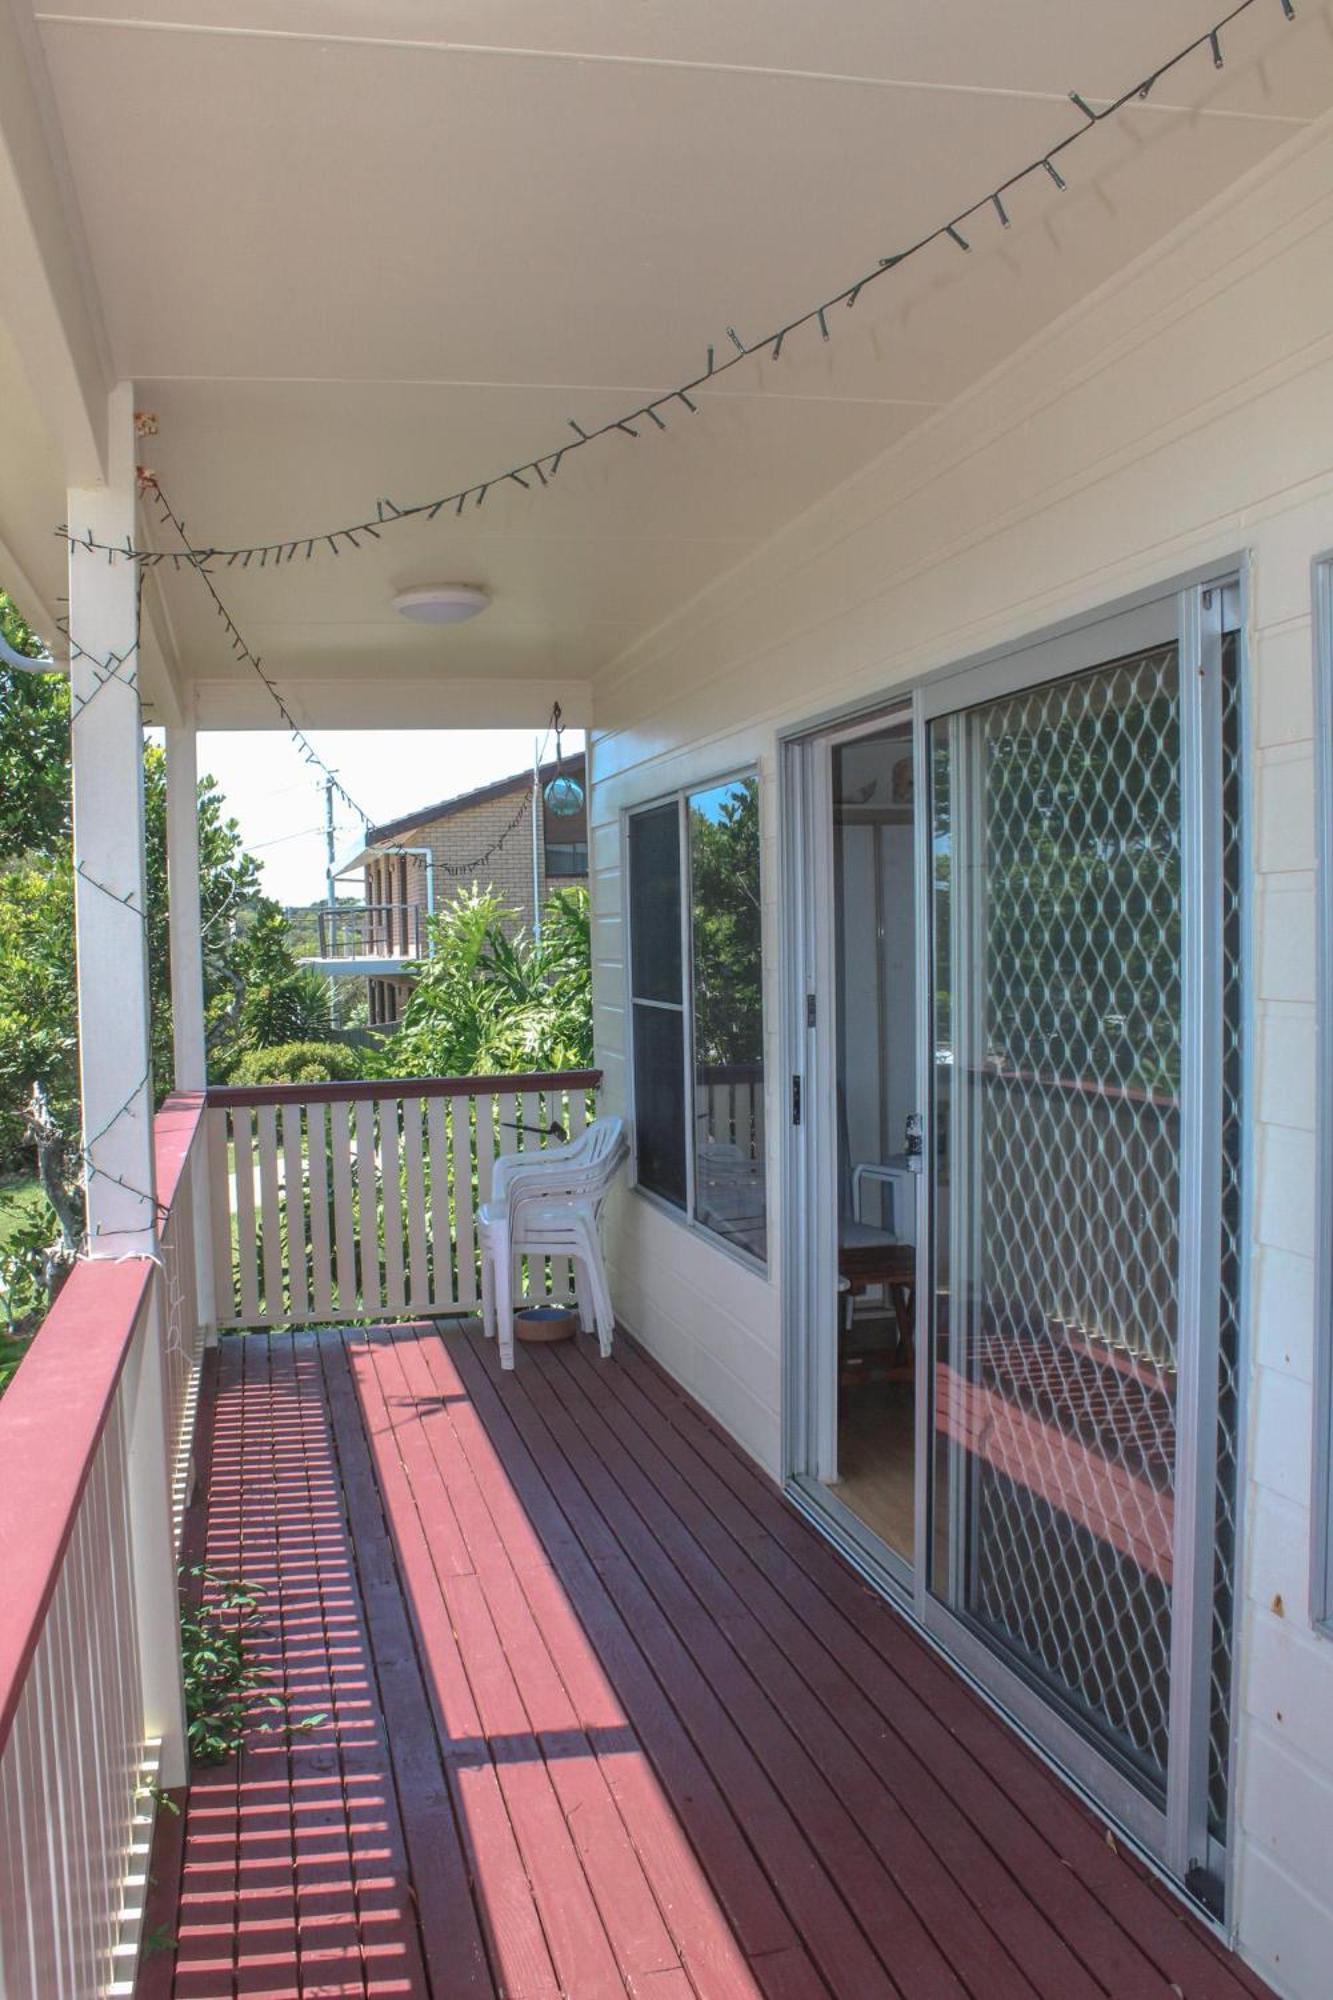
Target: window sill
(758, 1267)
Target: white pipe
(43, 664)
(536, 857)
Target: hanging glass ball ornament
(564, 796)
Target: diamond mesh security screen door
(1083, 1410)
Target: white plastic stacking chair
(546, 1204)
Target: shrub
(297, 1062)
(487, 1001)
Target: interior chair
(546, 1203)
(871, 1258)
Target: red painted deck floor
(602, 1715)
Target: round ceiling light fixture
(441, 603)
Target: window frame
(679, 796)
(1321, 1523)
(574, 847)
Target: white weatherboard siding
(1184, 415)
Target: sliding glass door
(1074, 1278)
(1058, 1020)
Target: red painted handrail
(244, 1097)
(54, 1413)
(174, 1130)
(52, 1418)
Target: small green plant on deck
(223, 1681)
(225, 1686)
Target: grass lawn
(20, 1196)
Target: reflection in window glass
(728, 1014)
(696, 1008)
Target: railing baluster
(247, 1244)
(391, 1172)
(368, 1205)
(344, 1220)
(484, 1107)
(222, 1204)
(270, 1212)
(440, 1236)
(317, 1173)
(418, 1264)
(298, 1232)
(461, 1170)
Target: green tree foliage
(34, 748)
(297, 1062)
(228, 893)
(38, 1029)
(277, 1002)
(490, 1003)
(724, 867)
(38, 996)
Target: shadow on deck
(601, 1715)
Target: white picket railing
(87, 1682)
(299, 1203)
(349, 1201)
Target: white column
(106, 732)
(187, 950)
(187, 983)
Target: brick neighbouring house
(409, 866)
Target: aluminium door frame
(1174, 1837)
(810, 1260)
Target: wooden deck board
(944, 1708)
(958, 1887)
(593, 1712)
(894, 1729)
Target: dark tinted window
(654, 900)
(659, 1100)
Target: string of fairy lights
(243, 651)
(540, 470)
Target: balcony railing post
(150, 1455)
(187, 959)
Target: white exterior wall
(1184, 415)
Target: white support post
(106, 730)
(185, 924)
(187, 953)
(110, 909)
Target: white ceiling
(353, 248)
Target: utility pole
(331, 863)
(536, 838)
(328, 837)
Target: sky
(279, 802)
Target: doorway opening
(879, 1129)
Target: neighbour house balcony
(378, 931)
(572, 1700)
